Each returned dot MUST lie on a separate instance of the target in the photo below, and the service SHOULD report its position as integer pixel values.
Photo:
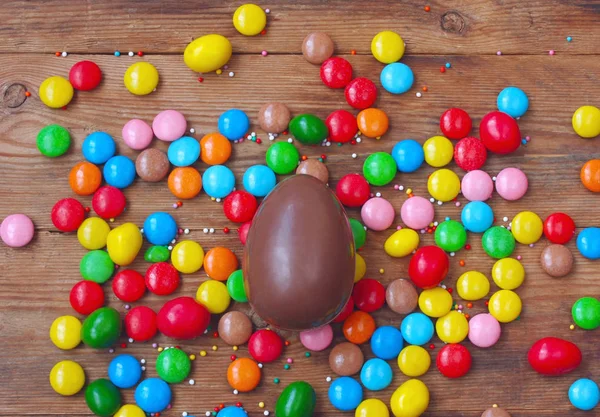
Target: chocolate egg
(274, 117)
(299, 256)
(495, 412)
(346, 359)
(235, 328)
(401, 296)
(315, 168)
(556, 260)
(152, 165)
(317, 47)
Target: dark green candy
(297, 400)
(379, 168)
(450, 235)
(309, 129)
(498, 242)
(157, 253)
(103, 398)
(586, 313)
(235, 286)
(96, 266)
(102, 328)
(359, 233)
(282, 158)
(53, 141)
(173, 365)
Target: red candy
(428, 267)
(342, 126)
(336, 72)
(108, 202)
(554, 356)
(243, 232)
(368, 295)
(455, 123)
(85, 75)
(559, 228)
(129, 285)
(346, 311)
(361, 93)
(141, 324)
(353, 190)
(265, 346)
(454, 360)
(86, 297)
(499, 132)
(470, 153)
(162, 278)
(67, 215)
(183, 318)
(240, 206)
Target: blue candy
(233, 124)
(98, 147)
(345, 393)
(232, 411)
(376, 374)
(119, 171)
(513, 100)
(153, 395)
(259, 180)
(386, 342)
(160, 228)
(584, 394)
(218, 181)
(417, 329)
(124, 371)
(409, 155)
(397, 78)
(184, 151)
(588, 242)
(477, 216)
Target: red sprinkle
(221, 406)
(304, 157)
(27, 94)
(323, 156)
(353, 52)
(353, 142)
(215, 334)
(285, 132)
(87, 209)
(200, 79)
(259, 141)
(487, 303)
(140, 53)
(442, 69)
(226, 230)
(233, 357)
(467, 246)
(238, 404)
(287, 343)
(450, 290)
(427, 8)
(469, 305)
(57, 53)
(263, 32)
(432, 346)
(123, 345)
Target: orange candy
(219, 263)
(85, 178)
(215, 149)
(372, 123)
(359, 327)
(590, 175)
(185, 183)
(243, 374)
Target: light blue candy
(588, 242)
(409, 155)
(160, 228)
(386, 342)
(124, 371)
(477, 216)
(98, 147)
(119, 171)
(232, 411)
(233, 124)
(345, 393)
(376, 374)
(153, 395)
(417, 329)
(184, 151)
(513, 100)
(259, 180)
(584, 394)
(218, 181)
(397, 78)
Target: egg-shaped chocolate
(299, 256)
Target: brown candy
(152, 165)
(235, 328)
(495, 412)
(346, 359)
(557, 260)
(274, 117)
(401, 296)
(315, 168)
(317, 47)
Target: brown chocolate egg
(401, 296)
(317, 47)
(235, 328)
(152, 165)
(315, 168)
(299, 256)
(346, 359)
(274, 117)
(495, 412)
(557, 260)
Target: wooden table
(35, 281)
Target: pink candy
(477, 186)
(169, 125)
(417, 213)
(137, 134)
(16, 230)
(484, 330)
(377, 214)
(317, 339)
(511, 184)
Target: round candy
(411, 399)
(108, 202)
(214, 296)
(162, 278)
(137, 134)
(472, 286)
(233, 124)
(282, 157)
(67, 378)
(588, 242)
(360, 268)
(417, 329)
(215, 149)
(96, 266)
(119, 171)
(397, 78)
(153, 395)
(65, 332)
(368, 295)
(184, 151)
(235, 287)
(185, 183)
(85, 75)
(141, 323)
(187, 256)
(232, 411)
(435, 302)
(98, 147)
(353, 190)
(125, 371)
(361, 93)
(317, 47)
(513, 101)
(56, 92)
(454, 361)
(16, 230)
(511, 184)
(220, 263)
(428, 267)
(173, 365)
(345, 393)
(484, 330)
(346, 359)
(160, 228)
(477, 186)
(274, 117)
(53, 141)
(556, 260)
(586, 313)
(455, 123)
(85, 178)
(317, 339)
(243, 374)
(249, 19)
(128, 285)
(470, 154)
(157, 253)
(559, 228)
(152, 165)
(259, 180)
(401, 243)
(477, 216)
(500, 133)
(386, 342)
(376, 374)
(92, 233)
(101, 328)
(207, 53)
(102, 397)
(452, 328)
(372, 123)
(308, 129)
(387, 47)
(417, 212)
(265, 345)
(336, 72)
(438, 151)
(377, 213)
(235, 328)
(414, 361)
(358, 327)
(586, 121)
(527, 227)
(379, 168)
(315, 168)
(141, 78)
(505, 306)
(508, 273)
(86, 297)
(183, 318)
(130, 410)
(401, 296)
(218, 181)
(372, 408)
(409, 155)
(590, 175)
(342, 126)
(443, 185)
(584, 393)
(498, 242)
(240, 206)
(169, 125)
(124, 243)
(450, 235)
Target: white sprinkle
(260, 365)
(205, 230)
(218, 200)
(206, 331)
(328, 143)
(130, 340)
(249, 137)
(443, 286)
(64, 54)
(186, 231)
(130, 53)
(192, 130)
(184, 414)
(432, 200)
(207, 414)
(211, 230)
(401, 188)
(142, 361)
(365, 227)
(143, 368)
(266, 413)
(290, 140)
(192, 382)
(377, 194)
(419, 95)
(170, 247)
(493, 178)
(452, 254)
(354, 155)
(142, 230)
(358, 140)
(231, 74)
(328, 379)
(439, 203)
(267, 11)
(235, 392)
(504, 219)
(422, 231)
(435, 223)
(111, 350)
(173, 241)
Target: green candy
(379, 168)
(498, 242)
(173, 365)
(53, 141)
(103, 398)
(359, 233)
(309, 129)
(96, 266)
(102, 328)
(297, 400)
(157, 253)
(450, 236)
(586, 313)
(235, 286)
(282, 158)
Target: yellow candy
(443, 185)
(56, 92)
(141, 78)
(401, 243)
(527, 227)
(124, 243)
(130, 410)
(508, 273)
(414, 361)
(214, 296)
(65, 332)
(452, 328)
(586, 121)
(92, 233)
(411, 399)
(207, 53)
(387, 47)
(438, 151)
(472, 285)
(361, 268)
(249, 19)
(372, 408)
(67, 378)
(505, 306)
(435, 302)
(187, 256)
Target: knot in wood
(453, 22)
(14, 95)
